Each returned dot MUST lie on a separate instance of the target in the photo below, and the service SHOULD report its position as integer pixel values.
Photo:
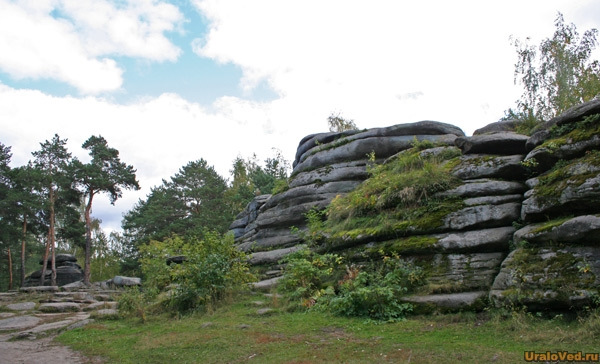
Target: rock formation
(67, 271)
(518, 226)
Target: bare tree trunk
(23, 251)
(88, 240)
(45, 260)
(52, 245)
(10, 270)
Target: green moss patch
(568, 174)
(398, 199)
(545, 269)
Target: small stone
(265, 311)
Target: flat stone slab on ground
(59, 307)
(58, 325)
(107, 312)
(267, 284)
(22, 306)
(18, 323)
(40, 289)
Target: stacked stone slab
(326, 165)
(556, 264)
(526, 229)
(67, 271)
(462, 257)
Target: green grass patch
(398, 198)
(235, 333)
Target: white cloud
(156, 135)
(75, 48)
(357, 57)
(135, 29)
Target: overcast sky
(168, 82)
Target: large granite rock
(471, 251)
(67, 271)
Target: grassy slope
(316, 337)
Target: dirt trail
(29, 322)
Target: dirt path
(39, 351)
(29, 322)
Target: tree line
(197, 200)
(49, 201)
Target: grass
(234, 333)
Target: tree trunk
(88, 240)
(45, 260)
(52, 244)
(23, 251)
(10, 270)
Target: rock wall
(523, 229)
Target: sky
(167, 82)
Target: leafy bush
(376, 293)
(212, 270)
(133, 303)
(305, 275)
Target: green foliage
(251, 179)
(338, 124)
(376, 293)
(560, 76)
(133, 303)
(213, 270)
(193, 200)
(305, 275)
(312, 280)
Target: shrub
(305, 276)
(373, 291)
(377, 292)
(213, 270)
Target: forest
(46, 207)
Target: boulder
(67, 271)
(121, 281)
(503, 143)
(498, 127)
(60, 258)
